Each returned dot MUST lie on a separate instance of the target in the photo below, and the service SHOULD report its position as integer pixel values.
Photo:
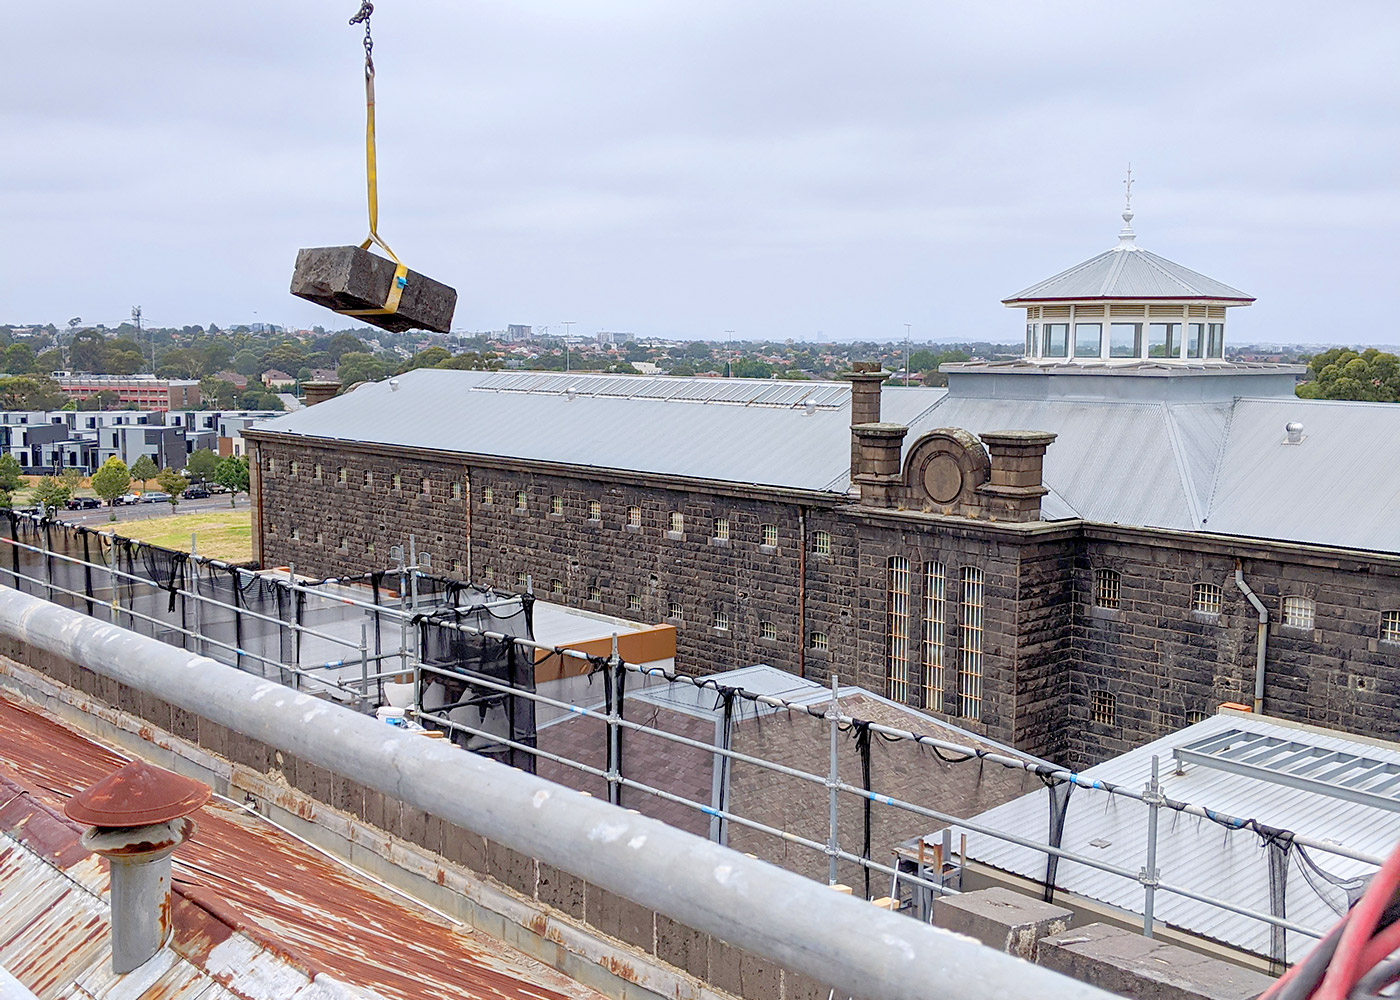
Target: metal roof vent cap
(571, 392)
(1295, 433)
(810, 408)
(138, 816)
(393, 385)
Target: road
(144, 511)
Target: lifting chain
(366, 10)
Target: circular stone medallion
(943, 478)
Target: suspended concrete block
(357, 283)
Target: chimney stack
(137, 817)
(319, 392)
(1013, 488)
(870, 447)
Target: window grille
(556, 505)
(634, 517)
(344, 544)
(1206, 598)
(521, 500)
(490, 574)
(770, 535)
(673, 609)
(721, 619)
(1298, 612)
(898, 668)
(369, 479)
(343, 475)
(595, 593)
(595, 510)
(1194, 717)
(821, 543)
(316, 472)
(272, 466)
(935, 609)
(556, 587)
(294, 466)
(634, 603)
(970, 643)
(488, 496)
(767, 630)
(819, 640)
(522, 580)
(369, 548)
(677, 522)
(1101, 706)
(456, 491)
(1108, 585)
(1390, 626)
(398, 482)
(721, 529)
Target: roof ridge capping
(795, 394)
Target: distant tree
(201, 464)
(103, 399)
(85, 349)
(232, 474)
(10, 479)
(112, 480)
(19, 359)
(50, 494)
(120, 357)
(1342, 373)
(340, 345)
(72, 478)
(260, 399)
(173, 484)
(752, 368)
(431, 357)
(358, 366)
(143, 470)
(30, 392)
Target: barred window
(770, 535)
(721, 619)
(344, 544)
(369, 479)
(634, 516)
(898, 666)
(522, 580)
(488, 496)
(316, 472)
(935, 610)
(677, 522)
(818, 640)
(673, 609)
(398, 482)
(296, 534)
(556, 505)
(595, 510)
(427, 487)
(272, 466)
(721, 529)
(294, 466)
(490, 574)
(521, 500)
(767, 630)
(1390, 626)
(369, 548)
(456, 491)
(1101, 705)
(343, 475)
(1298, 612)
(556, 588)
(634, 603)
(595, 593)
(821, 543)
(1108, 583)
(1206, 598)
(1194, 717)
(970, 641)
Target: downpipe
(1262, 643)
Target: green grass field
(223, 534)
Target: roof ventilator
(1295, 433)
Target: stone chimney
(319, 392)
(1014, 488)
(871, 441)
(137, 817)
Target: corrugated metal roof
(1198, 854)
(299, 914)
(1128, 272)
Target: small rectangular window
(488, 496)
(1108, 585)
(673, 609)
(1196, 716)
(721, 619)
(1101, 707)
(595, 592)
(456, 491)
(767, 630)
(427, 486)
(272, 466)
(343, 545)
(1125, 340)
(595, 510)
(556, 505)
(1206, 599)
(1216, 346)
(490, 574)
(556, 588)
(1055, 340)
(343, 475)
(676, 523)
(1030, 339)
(821, 543)
(1163, 340)
(770, 535)
(1195, 340)
(634, 603)
(721, 529)
(522, 580)
(1390, 626)
(316, 472)
(1298, 612)
(369, 479)
(521, 500)
(294, 466)
(1088, 340)
(818, 640)
(634, 516)
(398, 482)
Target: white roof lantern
(1127, 305)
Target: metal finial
(1126, 236)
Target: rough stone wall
(1045, 608)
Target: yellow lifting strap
(400, 280)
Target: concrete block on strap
(350, 280)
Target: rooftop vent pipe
(1295, 433)
(137, 817)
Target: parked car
(83, 503)
(128, 498)
(196, 492)
(155, 496)
(216, 487)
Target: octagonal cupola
(1125, 306)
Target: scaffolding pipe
(778, 915)
(1262, 643)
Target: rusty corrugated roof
(248, 897)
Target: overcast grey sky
(777, 168)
